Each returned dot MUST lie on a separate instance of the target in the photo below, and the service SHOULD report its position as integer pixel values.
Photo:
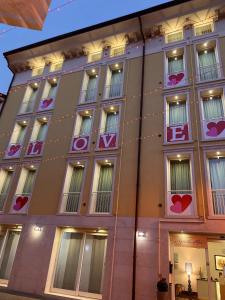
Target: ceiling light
(10, 168)
(205, 44)
(96, 76)
(112, 107)
(178, 102)
(211, 97)
(141, 234)
(35, 84)
(178, 155)
(44, 119)
(175, 51)
(106, 161)
(93, 70)
(210, 92)
(176, 97)
(205, 51)
(86, 112)
(116, 65)
(54, 79)
(119, 71)
(32, 166)
(175, 58)
(24, 122)
(78, 163)
(217, 153)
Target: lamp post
(188, 270)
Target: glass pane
(29, 182)
(93, 264)
(213, 108)
(111, 122)
(175, 64)
(67, 262)
(21, 134)
(177, 113)
(86, 123)
(9, 253)
(180, 177)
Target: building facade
(113, 158)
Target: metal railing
(88, 95)
(71, 201)
(101, 201)
(26, 107)
(113, 90)
(210, 72)
(218, 198)
(2, 201)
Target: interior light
(10, 168)
(116, 65)
(211, 97)
(119, 71)
(78, 163)
(205, 44)
(44, 119)
(205, 51)
(96, 76)
(35, 84)
(175, 58)
(54, 79)
(37, 228)
(32, 166)
(111, 107)
(86, 112)
(178, 102)
(176, 97)
(106, 161)
(175, 51)
(178, 155)
(141, 234)
(93, 70)
(210, 92)
(19, 227)
(24, 122)
(217, 153)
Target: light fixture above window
(175, 51)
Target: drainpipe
(138, 162)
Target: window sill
(177, 143)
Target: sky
(70, 15)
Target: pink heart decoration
(180, 203)
(13, 150)
(175, 79)
(46, 103)
(20, 203)
(215, 129)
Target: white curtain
(180, 177)
(177, 113)
(42, 132)
(111, 125)
(213, 108)
(116, 83)
(9, 253)
(208, 65)
(175, 65)
(86, 123)
(217, 173)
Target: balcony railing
(71, 202)
(113, 90)
(218, 198)
(101, 201)
(88, 96)
(2, 201)
(211, 72)
(26, 107)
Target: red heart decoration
(45, 103)
(175, 79)
(13, 150)
(215, 129)
(180, 203)
(20, 202)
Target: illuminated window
(56, 66)
(116, 51)
(203, 29)
(174, 36)
(38, 71)
(95, 56)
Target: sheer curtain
(213, 108)
(91, 88)
(111, 125)
(4, 190)
(177, 113)
(115, 85)
(104, 189)
(175, 65)
(74, 190)
(21, 134)
(217, 173)
(67, 261)
(27, 188)
(180, 177)
(208, 65)
(9, 253)
(93, 264)
(86, 123)
(42, 132)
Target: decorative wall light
(141, 234)
(38, 228)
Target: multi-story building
(113, 158)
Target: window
(213, 108)
(174, 36)
(203, 29)
(9, 242)
(102, 187)
(114, 81)
(17, 139)
(175, 70)
(80, 263)
(37, 71)
(180, 193)
(116, 51)
(72, 187)
(92, 57)
(208, 63)
(5, 181)
(177, 121)
(49, 94)
(217, 180)
(56, 66)
(89, 87)
(29, 99)
(38, 136)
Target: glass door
(80, 264)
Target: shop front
(197, 269)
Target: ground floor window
(9, 240)
(79, 264)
